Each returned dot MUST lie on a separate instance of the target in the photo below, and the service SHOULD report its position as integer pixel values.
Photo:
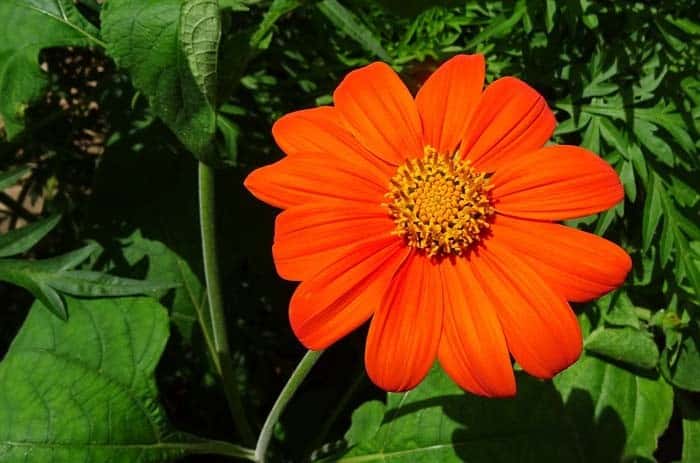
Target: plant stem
(207, 219)
(214, 447)
(301, 371)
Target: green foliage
(627, 345)
(208, 78)
(595, 412)
(170, 48)
(48, 279)
(87, 386)
(23, 239)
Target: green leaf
(598, 412)
(346, 21)
(263, 34)
(438, 422)
(84, 390)
(619, 310)
(10, 177)
(162, 264)
(22, 239)
(627, 345)
(499, 26)
(95, 284)
(170, 49)
(680, 364)
(593, 389)
(28, 27)
(47, 279)
(652, 212)
(691, 430)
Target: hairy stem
(207, 219)
(301, 371)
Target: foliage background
(103, 106)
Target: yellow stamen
(439, 203)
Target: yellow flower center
(439, 203)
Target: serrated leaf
(598, 85)
(28, 27)
(23, 239)
(84, 390)
(346, 21)
(627, 345)
(170, 49)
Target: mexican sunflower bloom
(435, 217)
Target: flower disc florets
(440, 204)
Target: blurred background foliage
(92, 131)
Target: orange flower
(435, 217)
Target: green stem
(207, 219)
(214, 447)
(301, 371)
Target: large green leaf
(630, 412)
(154, 261)
(170, 49)
(27, 27)
(84, 390)
(599, 413)
(439, 422)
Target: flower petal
(578, 265)
(448, 99)
(473, 350)
(540, 328)
(310, 237)
(320, 130)
(511, 120)
(556, 183)
(306, 178)
(344, 295)
(405, 332)
(379, 110)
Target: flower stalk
(301, 371)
